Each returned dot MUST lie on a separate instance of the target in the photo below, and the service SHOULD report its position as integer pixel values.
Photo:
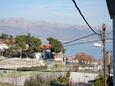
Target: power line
(84, 18)
(110, 32)
(109, 38)
(75, 40)
(79, 39)
(81, 43)
(86, 42)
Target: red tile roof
(48, 46)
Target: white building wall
(3, 46)
(58, 56)
(38, 56)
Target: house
(38, 56)
(10, 42)
(3, 45)
(58, 56)
(46, 51)
(48, 54)
(6, 43)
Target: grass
(5, 84)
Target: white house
(38, 56)
(3, 46)
(58, 56)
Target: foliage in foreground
(63, 79)
(5, 84)
(36, 81)
(99, 81)
(60, 80)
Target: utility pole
(109, 64)
(104, 52)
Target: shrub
(99, 81)
(61, 80)
(36, 81)
(36, 68)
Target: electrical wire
(74, 40)
(82, 43)
(86, 42)
(79, 39)
(84, 18)
(110, 32)
(109, 38)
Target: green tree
(32, 41)
(4, 36)
(21, 41)
(56, 45)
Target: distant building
(6, 43)
(10, 42)
(3, 45)
(58, 56)
(46, 51)
(48, 54)
(38, 56)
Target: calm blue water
(89, 49)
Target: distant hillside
(42, 29)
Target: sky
(56, 11)
(59, 11)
